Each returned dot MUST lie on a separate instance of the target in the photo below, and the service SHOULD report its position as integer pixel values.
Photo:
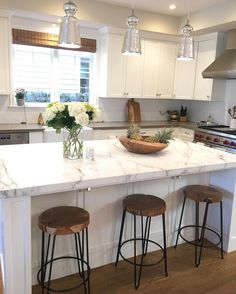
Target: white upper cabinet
(5, 55)
(121, 75)
(207, 89)
(158, 69)
(134, 74)
(116, 70)
(189, 83)
(185, 77)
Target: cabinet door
(116, 67)
(36, 137)
(4, 57)
(150, 68)
(134, 75)
(166, 69)
(206, 55)
(185, 78)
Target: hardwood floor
(214, 276)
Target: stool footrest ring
(193, 242)
(68, 289)
(143, 240)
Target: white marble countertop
(37, 169)
(143, 124)
(21, 128)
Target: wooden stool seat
(201, 193)
(63, 220)
(145, 205)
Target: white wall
(115, 109)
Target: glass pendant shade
(186, 44)
(132, 41)
(69, 35)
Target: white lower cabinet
(181, 133)
(185, 134)
(36, 137)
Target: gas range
(217, 136)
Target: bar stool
(60, 221)
(144, 206)
(208, 195)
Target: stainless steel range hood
(224, 67)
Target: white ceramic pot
(233, 123)
(20, 102)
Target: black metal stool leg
(180, 221)
(203, 232)
(143, 250)
(42, 278)
(120, 237)
(135, 264)
(81, 249)
(221, 229)
(146, 234)
(196, 231)
(50, 268)
(77, 254)
(164, 241)
(87, 253)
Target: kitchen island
(36, 177)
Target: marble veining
(41, 169)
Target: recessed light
(172, 6)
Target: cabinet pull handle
(159, 94)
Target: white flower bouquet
(70, 115)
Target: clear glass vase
(73, 146)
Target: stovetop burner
(219, 129)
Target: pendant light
(132, 41)
(69, 35)
(186, 44)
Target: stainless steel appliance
(217, 136)
(14, 138)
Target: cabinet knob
(127, 93)
(208, 96)
(159, 94)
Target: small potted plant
(20, 96)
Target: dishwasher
(11, 138)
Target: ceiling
(162, 6)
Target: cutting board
(133, 111)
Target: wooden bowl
(141, 147)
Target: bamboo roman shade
(25, 37)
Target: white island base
(49, 180)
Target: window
(51, 74)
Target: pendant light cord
(188, 12)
